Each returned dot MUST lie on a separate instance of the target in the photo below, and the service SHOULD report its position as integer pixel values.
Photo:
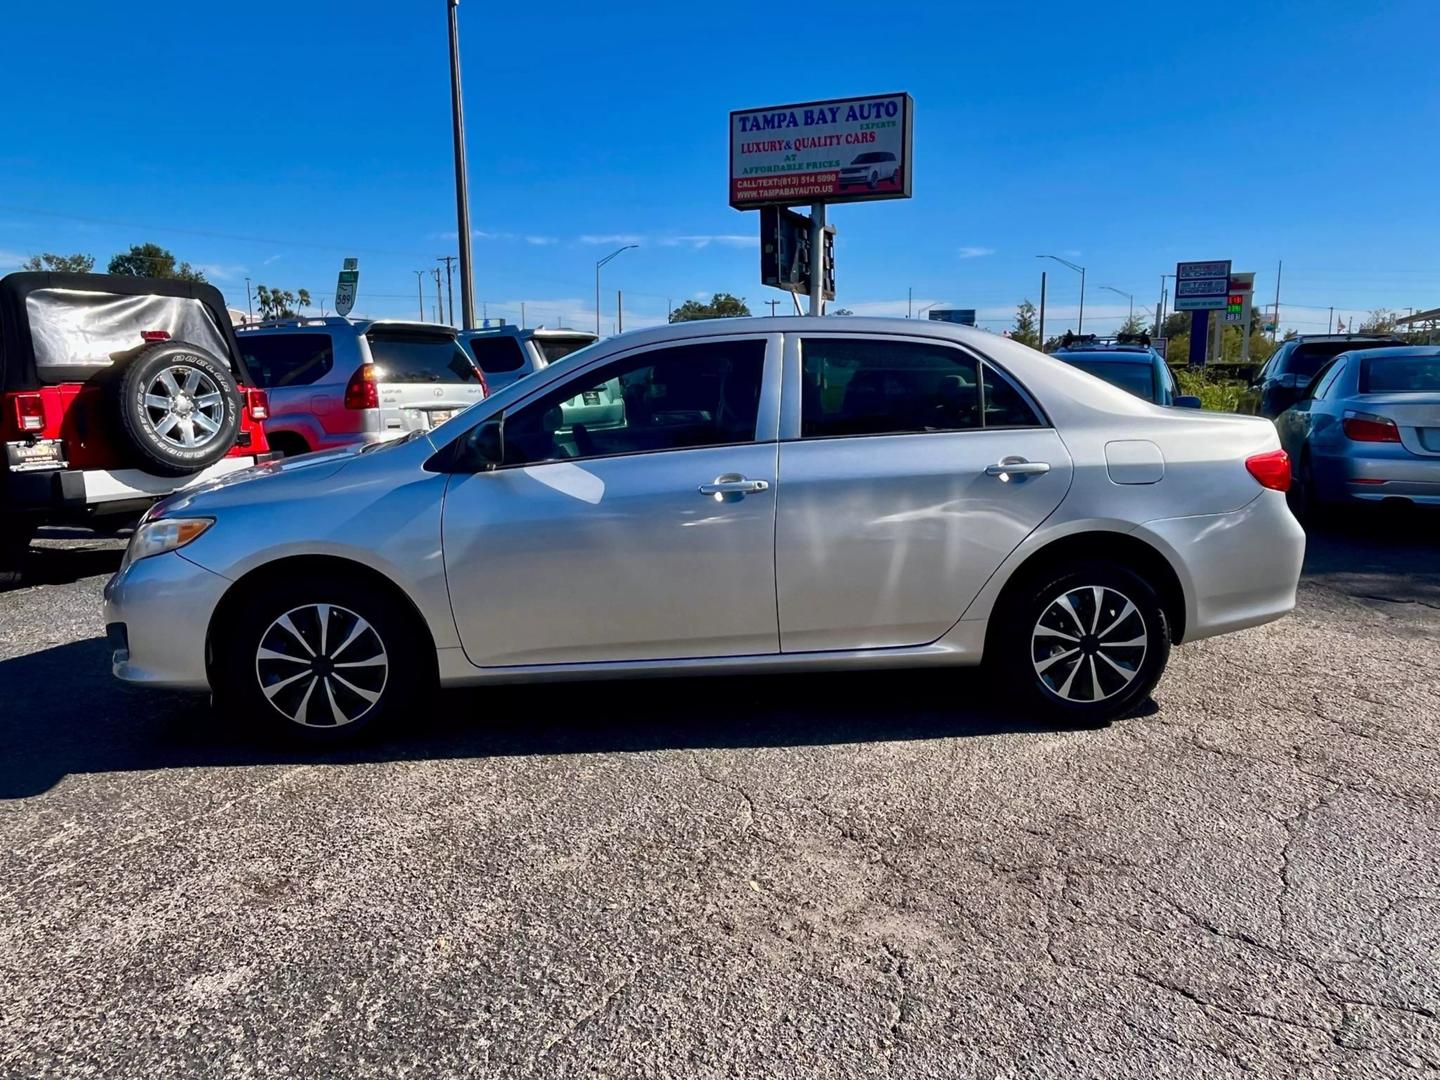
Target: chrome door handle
(1005, 468)
(736, 486)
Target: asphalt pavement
(790, 876)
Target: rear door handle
(734, 485)
(1005, 468)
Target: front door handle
(731, 484)
(1008, 467)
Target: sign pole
(817, 258)
(1199, 325)
(462, 183)
(1041, 346)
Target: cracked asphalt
(878, 875)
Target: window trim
(766, 420)
(792, 390)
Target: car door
(633, 517)
(895, 504)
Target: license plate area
(35, 457)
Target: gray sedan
(1367, 430)
(736, 495)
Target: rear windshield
(496, 355)
(79, 334)
(1400, 374)
(1138, 378)
(554, 348)
(419, 358)
(1309, 357)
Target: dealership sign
(846, 150)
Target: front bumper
(1238, 569)
(157, 615)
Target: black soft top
(17, 350)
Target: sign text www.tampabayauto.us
(845, 150)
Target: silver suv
(336, 381)
(507, 353)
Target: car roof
(1397, 350)
(301, 323)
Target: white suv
(335, 381)
(507, 353)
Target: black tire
(1304, 502)
(1060, 693)
(15, 537)
(306, 705)
(204, 394)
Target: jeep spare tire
(179, 407)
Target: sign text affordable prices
(846, 150)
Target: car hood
(263, 479)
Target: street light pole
(420, 292)
(1128, 296)
(598, 265)
(462, 183)
(1079, 322)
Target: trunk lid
(423, 376)
(1416, 414)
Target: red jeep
(114, 392)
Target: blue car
(1367, 429)
(1130, 365)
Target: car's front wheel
(1082, 646)
(319, 658)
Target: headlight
(162, 535)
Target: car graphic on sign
(871, 168)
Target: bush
(1216, 393)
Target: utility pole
(439, 310)
(598, 265)
(1275, 333)
(249, 308)
(522, 314)
(1331, 328)
(420, 291)
(772, 304)
(1042, 310)
(619, 311)
(462, 182)
(909, 300)
(1080, 322)
(449, 285)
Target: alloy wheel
(1089, 643)
(322, 665)
(185, 406)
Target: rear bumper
(1238, 569)
(80, 489)
(1391, 473)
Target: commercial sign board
(963, 316)
(1238, 302)
(1202, 286)
(843, 150)
(346, 285)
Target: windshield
(1138, 378)
(1400, 374)
(419, 358)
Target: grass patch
(1216, 393)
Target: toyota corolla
(739, 495)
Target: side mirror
(482, 448)
(1185, 401)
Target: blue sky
(273, 142)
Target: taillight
(361, 391)
(259, 402)
(480, 378)
(154, 335)
(1367, 427)
(1271, 469)
(30, 412)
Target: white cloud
(271, 259)
(972, 252)
(540, 241)
(611, 238)
(737, 240)
(222, 271)
(10, 259)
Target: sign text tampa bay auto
(847, 150)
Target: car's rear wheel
(1082, 645)
(1304, 503)
(320, 658)
(179, 408)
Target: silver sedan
(726, 496)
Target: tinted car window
(287, 359)
(1129, 374)
(1325, 378)
(1308, 357)
(554, 348)
(1005, 405)
(1399, 374)
(419, 358)
(669, 399)
(497, 355)
(881, 387)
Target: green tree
(1026, 329)
(842, 311)
(1379, 321)
(280, 304)
(60, 264)
(721, 306)
(151, 260)
(1135, 324)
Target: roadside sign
(962, 316)
(842, 150)
(1202, 286)
(1238, 302)
(346, 285)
